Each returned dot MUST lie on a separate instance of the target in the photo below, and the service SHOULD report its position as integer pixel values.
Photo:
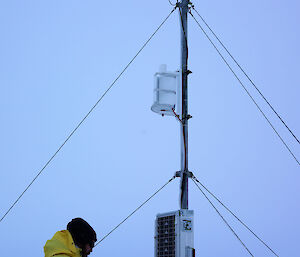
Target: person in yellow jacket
(77, 241)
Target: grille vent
(165, 236)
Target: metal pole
(183, 10)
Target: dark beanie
(82, 233)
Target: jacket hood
(61, 243)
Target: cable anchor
(189, 173)
(188, 72)
(187, 117)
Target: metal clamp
(189, 173)
(187, 117)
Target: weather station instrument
(174, 231)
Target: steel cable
(248, 93)
(85, 117)
(236, 62)
(235, 216)
(243, 244)
(135, 211)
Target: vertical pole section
(183, 10)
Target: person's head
(83, 235)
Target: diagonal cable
(85, 117)
(135, 210)
(223, 219)
(248, 93)
(247, 76)
(194, 178)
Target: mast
(174, 94)
(184, 173)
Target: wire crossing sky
(235, 61)
(251, 97)
(225, 221)
(250, 230)
(57, 57)
(85, 117)
(140, 206)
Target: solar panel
(165, 239)
(174, 234)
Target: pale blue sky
(58, 57)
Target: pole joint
(179, 173)
(182, 4)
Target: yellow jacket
(61, 245)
